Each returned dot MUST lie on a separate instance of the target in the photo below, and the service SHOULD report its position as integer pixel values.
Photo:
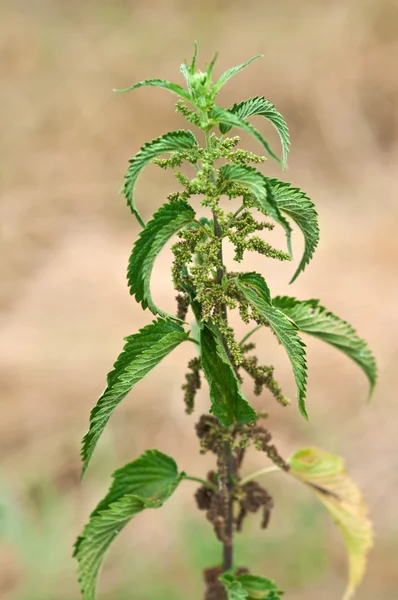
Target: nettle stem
(228, 547)
(228, 550)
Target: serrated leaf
(259, 186)
(169, 142)
(262, 107)
(144, 483)
(250, 587)
(167, 85)
(234, 589)
(166, 222)
(223, 116)
(325, 475)
(296, 205)
(256, 292)
(227, 401)
(259, 588)
(152, 477)
(316, 320)
(141, 353)
(98, 535)
(257, 285)
(230, 73)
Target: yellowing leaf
(326, 476)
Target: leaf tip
(303, 409)
(85, 462)
(371, 392)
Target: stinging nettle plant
(207, 292)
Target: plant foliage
(296, 205)
(169, 142)
(325, 475)
(228, 403)
(314, 319)
(141, 353)
(250, 587)
(144, 483)
(207, 293)
(262, 107)
(259, 186)
(166, 222)
(256, 292)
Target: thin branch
(246, 337)
(207, 484)
(256, 474)
(232, 219)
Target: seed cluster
(182, 306)
(197, 253)
(248, 497)
(251, 498)
(192, 384)
(263, 377)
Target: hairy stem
(228, 549)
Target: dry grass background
(330, 67)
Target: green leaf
(326, 477)
(167, 85)
(145, 483)
(259, 186)
(142, 352)
(228, 403)
(234, 589)
(186, 72)
(262, 107)
(256, 292)
(210, 66)
(166, 222)
(230, 73)
(97, 536)
(259, 588)
(223, 116)
(169, 142)
(316, 320)
(195, 54)
(296, 205)
(152, 477)
(250, 587)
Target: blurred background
(330, 68)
